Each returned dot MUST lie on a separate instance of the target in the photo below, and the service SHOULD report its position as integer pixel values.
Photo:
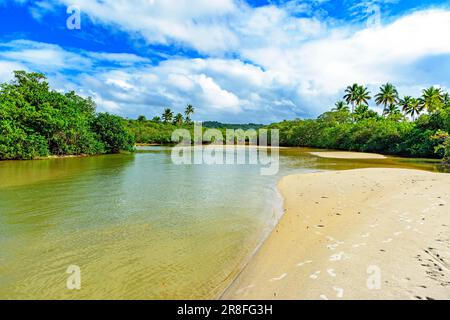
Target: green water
(138, 226)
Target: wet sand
(357, 234)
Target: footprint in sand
(339, 292)
(388, 240)
(398, 233)
(366, 235)
(332, 246)
(315, 275)
(408, 228)
(245, 289)
(373, 226)
(279, 278)
(338, 257)
(331, 272)
(301, 264)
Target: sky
(238, 61)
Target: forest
(37, 122)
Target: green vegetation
(37, 122)
(159, 130)
(154, 131)
(443, 147)
(219, 125)
(424, 134)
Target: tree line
(36, 121)
(414, 127)
(168, 117)
(433, 99)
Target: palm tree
(411, 106)
(432, 99)
(167, 115)
(189, 110)
(388, 96)
(391, 110)
(362, 96)
(178, 120)
(350, 95)
(446, 100)
(341, 106)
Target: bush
(37, 122)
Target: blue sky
(235, 60)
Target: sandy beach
(347, 155)
(357, 234)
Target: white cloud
(201, 24)
(43, 56)
(282, 66)
(7, 68)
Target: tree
(350, 95)
(36, 121)
(388, 96)
(178, 120)
(341, 106)
(156, 119)
(167, 116)
(446, 100)
(393, 112)
(443, 148)
(432, 99)
(357, 95)
(410, 106)
(112, 133)
(142, 119)
(362, 96)
(188, 112)
(363, 112)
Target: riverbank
(348, 155)
(357, 234)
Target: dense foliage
(159, 130)
(365, 130)
(37, 122)
(219, 125)
(155, 131)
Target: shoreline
(339, 226)
(349, 155)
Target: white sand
(358, 234)
(348, 155)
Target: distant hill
(219, 125)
